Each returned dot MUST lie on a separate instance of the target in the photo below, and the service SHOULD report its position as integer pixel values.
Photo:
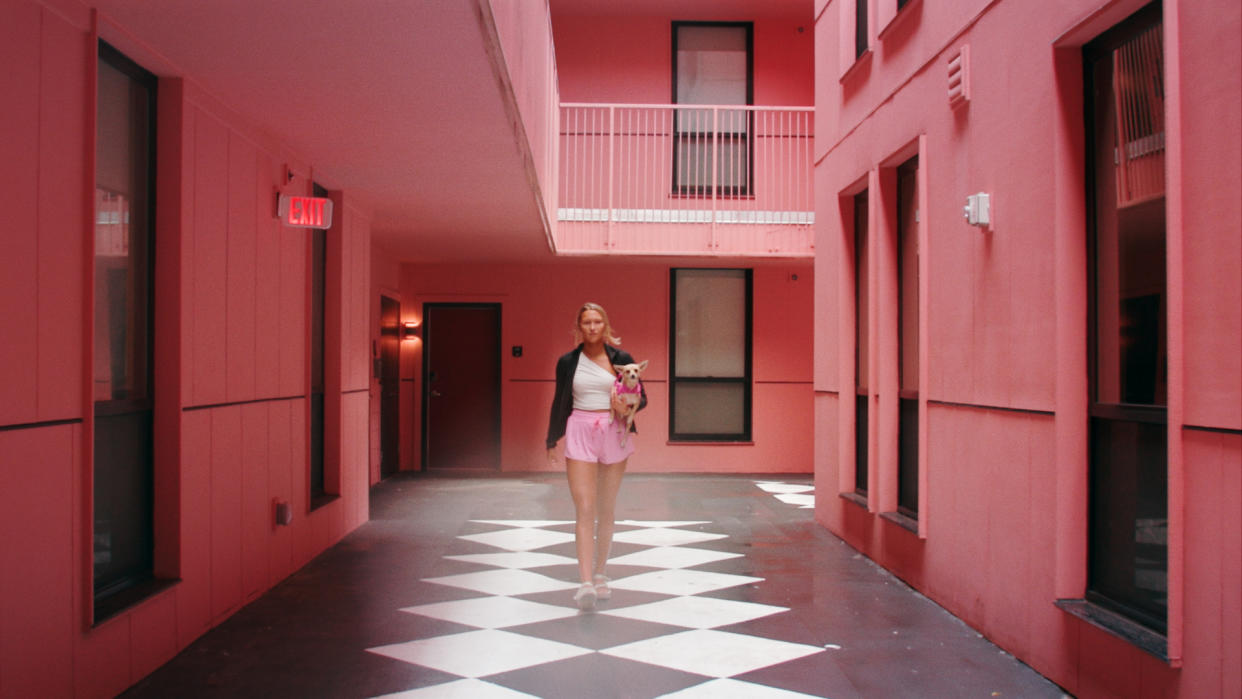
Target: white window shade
(711, 323)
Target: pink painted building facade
(781, 182)
(1034, 420)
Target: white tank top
(592, 385)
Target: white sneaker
(585, 596)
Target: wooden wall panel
(62, 214)
(240, 292)
(268, 338)
(19, 143)
(210, 271)
(36, 561)
(293, 311)
(256, 502)
(194, 592)
(280, 459)
(153, 635)
(226, 511)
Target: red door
(461, 386)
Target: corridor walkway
(723, 587)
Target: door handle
(435, 393)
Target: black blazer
(563, 401)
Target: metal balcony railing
(685, 179)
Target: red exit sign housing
(305, 212)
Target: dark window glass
(860, 28)
(712, 147)
(319, 245)
(908, 340)
(1128, 545)
(711, 355)
(861, 335)
(123, 464)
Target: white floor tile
(796, 498)
(504, 582)
(460, 689)
(480, 653)
(681, 582)
(492, 612)
(521, 539)
(712, 653)
(656, 523)
(697, 612)
(672, 557)
(779, 487)
(661, 536)
(535, 523)
(734, 689)
(516, 559)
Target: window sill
(854, 498)
(899, 18)
(322, 499)
(908, 523)
(117, 604)
(693, 443)
(863, 60)
(1129, 631)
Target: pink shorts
(589, 437)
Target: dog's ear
(643, 366)
(617, 368)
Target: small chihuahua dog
(629, 389)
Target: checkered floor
(724, 586)
(663, 614)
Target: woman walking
(594, 456)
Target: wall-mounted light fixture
(411, 329)
(978, 210)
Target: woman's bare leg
(583, 488)
(607, 486)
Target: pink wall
(524, 31)
(1002, 526)
(231, 367)
(629, 59)
(537, 310)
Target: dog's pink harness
(622, 388)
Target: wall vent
(959, 77)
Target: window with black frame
(124, 256)
(712, 65)
(710, 355)
(908, 338)
(319, 493)
(860, 28)
(1128, 443)
(861, 348)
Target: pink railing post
(714, 164)
(612, 135)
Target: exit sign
(305, 212)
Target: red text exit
(305, 212)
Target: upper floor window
(712, 65)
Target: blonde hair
(588, 306)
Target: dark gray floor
(856, 630)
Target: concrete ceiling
(397, 101)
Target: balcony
(685, 180)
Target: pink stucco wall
(1002, 526)
(231, 304)
(537, 312)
